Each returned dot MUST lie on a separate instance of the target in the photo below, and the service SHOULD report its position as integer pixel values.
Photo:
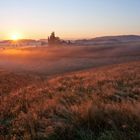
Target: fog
(56, 60)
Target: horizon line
(37, 39)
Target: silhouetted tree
(53, 40)
(69, 42)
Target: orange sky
(74, 19)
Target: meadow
(100, 104)
(76, 94)
(63, 59)
(69, 70)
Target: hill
(109, 40)
(101, 103)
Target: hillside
(101, 103)
(109, 40)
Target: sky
(70, 19)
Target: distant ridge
(109, 40)
(93, 41)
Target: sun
(15, 36)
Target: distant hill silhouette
(109, 40)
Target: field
(74, 93)
(58, 60)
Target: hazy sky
(69, 18)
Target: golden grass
(100, 104)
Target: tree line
(54, 40)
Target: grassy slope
(100, 104)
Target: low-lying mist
(55, 60)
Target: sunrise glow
(15, 36)
(74, 19)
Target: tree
(53, 40)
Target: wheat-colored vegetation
(98, 104)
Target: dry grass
(100, 104)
